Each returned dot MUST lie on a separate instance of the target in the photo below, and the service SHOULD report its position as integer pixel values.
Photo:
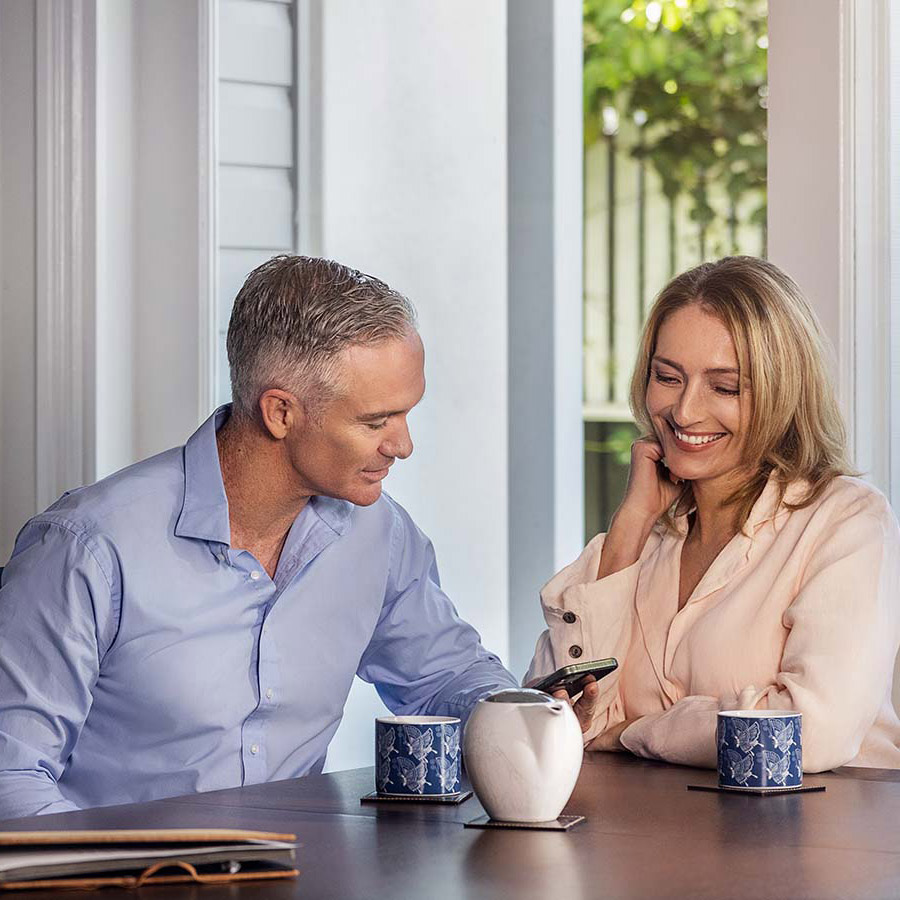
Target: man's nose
(399, 443)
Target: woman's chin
(699, 476)
(687, 472)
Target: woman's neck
(714, 524)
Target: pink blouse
(800, 611)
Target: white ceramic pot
(522, 750)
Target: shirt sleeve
(588, 619)
(55, 603)
(837, 662)
(422, 658)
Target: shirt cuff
(684, 734)
(605, 601)
(638, 735)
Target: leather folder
(133, 858)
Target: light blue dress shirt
(141, 656)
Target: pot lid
(520, 695)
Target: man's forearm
(458, 696)
(30, 793)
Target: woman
(744, 567)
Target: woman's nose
(687, 409)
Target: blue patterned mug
(417, 756)
(759, 749)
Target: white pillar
(18, 402)
(546, 457)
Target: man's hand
(584, 706)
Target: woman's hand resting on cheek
(651, 490)
(651, 487)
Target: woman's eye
(728, 392)
(665, 379)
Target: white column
(804, 165)
(173, 242)
(829, 196)
(834, 193)
(66, 244)
(18, 402)
(116, 244)
(546, 456)
(894, 144)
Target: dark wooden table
(645, 836)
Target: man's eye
(377, 426)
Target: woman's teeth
(691, 439)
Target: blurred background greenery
(675, 103)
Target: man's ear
(281, 412)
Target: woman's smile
(695, 442)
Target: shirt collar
(204, 514)
(333, 512)
(767, 507)
(772, 505)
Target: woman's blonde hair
(795, 430)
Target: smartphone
(570, 678)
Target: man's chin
(365, 496)
(355, 493)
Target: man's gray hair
(293, 317)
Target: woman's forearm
(624, 542)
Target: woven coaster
(563, 823)
(756, 792)
(375, 797)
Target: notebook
(134, 857)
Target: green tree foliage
(694, 71)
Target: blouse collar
(767, 508)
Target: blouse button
(569, 618)
(575, 651)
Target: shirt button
(575, 651)
(220, 557)
(254, 575)
(569, 618)
(269, 693)
(254, 749)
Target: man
(195, 621)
